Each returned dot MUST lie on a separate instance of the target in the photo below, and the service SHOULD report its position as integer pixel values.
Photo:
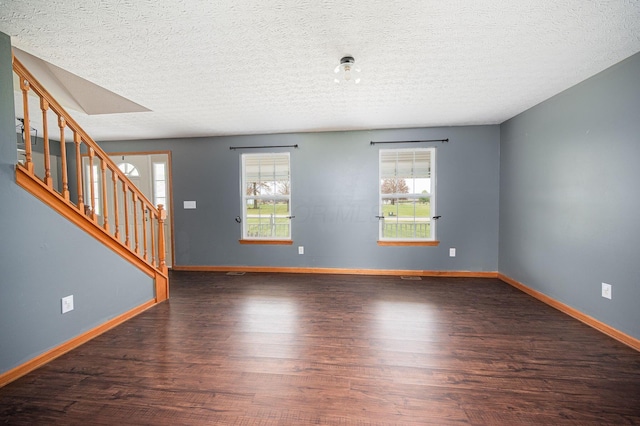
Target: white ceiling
(243, 67)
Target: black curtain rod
(424, 140)
(262, 147)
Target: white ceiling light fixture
(347, 72)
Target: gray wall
(570, 196)
(43, 258)
(334, 198)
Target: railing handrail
(131, 193)
(34, 84)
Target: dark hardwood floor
(337, 350)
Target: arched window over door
(129, 170)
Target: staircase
(74, 176)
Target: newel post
(162, 215)
(162, 274)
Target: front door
(150, 173)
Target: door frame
(170, 183)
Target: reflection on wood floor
(284, 349)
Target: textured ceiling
(241, 67)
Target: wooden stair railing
(127, 221)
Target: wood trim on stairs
(70, 211)
(588, 320)
(50, 355)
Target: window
(96, 184)
(407, 195)
(129, 170)
(159, 184)
(266, 197)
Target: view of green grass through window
(407, 219)
(269, 219)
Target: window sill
(408, 243)
(268, 242)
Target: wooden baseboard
(337, 271)
(65, 347)
(590, 321)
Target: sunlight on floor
(408, 321)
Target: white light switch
(67, 304)
(189, 205)
(452, 252)
(606, 290)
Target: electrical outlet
(67, 304)
(606, 290)
(300, 249)
(452, 252)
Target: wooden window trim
(408, 243)
(267, 242)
